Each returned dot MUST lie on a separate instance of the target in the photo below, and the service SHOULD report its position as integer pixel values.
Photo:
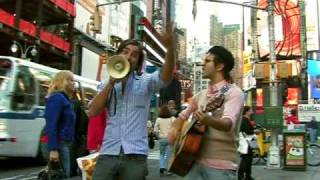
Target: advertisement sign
(314, 78)
(294, 150)
(306, 111)
(248, 82)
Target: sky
(228, 14)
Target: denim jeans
(165, 152)
(114, 167)
(64, 155)
(313, 135)
(201, 172)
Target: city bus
(23, 88)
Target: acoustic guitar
(187, 145)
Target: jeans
(313, 135)
(165, 152)
(123, 167)
(201, 172)
(64, 155)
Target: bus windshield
(5, 76)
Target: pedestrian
(125, 148)
(161, 127)
(59, 131)
(292, 118)
(96, 127)
(313, 125)
(217, 155)
(244, 172)
(151, 135)
(173, 108)
(79, 146)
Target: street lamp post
(24, 50)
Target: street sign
(185, 83)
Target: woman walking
(247, 129)
(161, 127)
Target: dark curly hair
(223, 56)
(137, 43)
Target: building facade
(46, 25)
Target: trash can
(294, 147)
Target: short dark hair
(245, 109)
(225, 57)
(137, 43)
(164, 112)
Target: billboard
(314, 78)
(287, 28)
(306, 111)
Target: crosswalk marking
(155, 154)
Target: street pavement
(259, 172)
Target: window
(89, 93)
(24, 90)
(44, 82)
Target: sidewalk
(258, 172)
(262, 173)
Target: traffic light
(96, 21)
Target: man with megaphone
(124, 150)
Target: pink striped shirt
(234, 106)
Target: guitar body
(187, 145)
(186, 148)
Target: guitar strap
(221, 93)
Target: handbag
(53, 171)
(243, 144)
(253, 143)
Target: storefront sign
(306, 111)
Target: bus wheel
(40, 158)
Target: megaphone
(118, 66)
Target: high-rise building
(182, 44)
(216, 31)
(232, 41)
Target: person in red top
(96, 128)
(293, 119)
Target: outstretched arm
(169, 41)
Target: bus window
(43, 91)
(89, 93)
(78, 91)
(5, 77)
(24, 92)
(5, 69)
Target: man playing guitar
(218, 150)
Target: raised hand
(168, 38)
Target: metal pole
(274, 151)
(116, 2)
(243, 44)
(235, 3)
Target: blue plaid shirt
(128, 115)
